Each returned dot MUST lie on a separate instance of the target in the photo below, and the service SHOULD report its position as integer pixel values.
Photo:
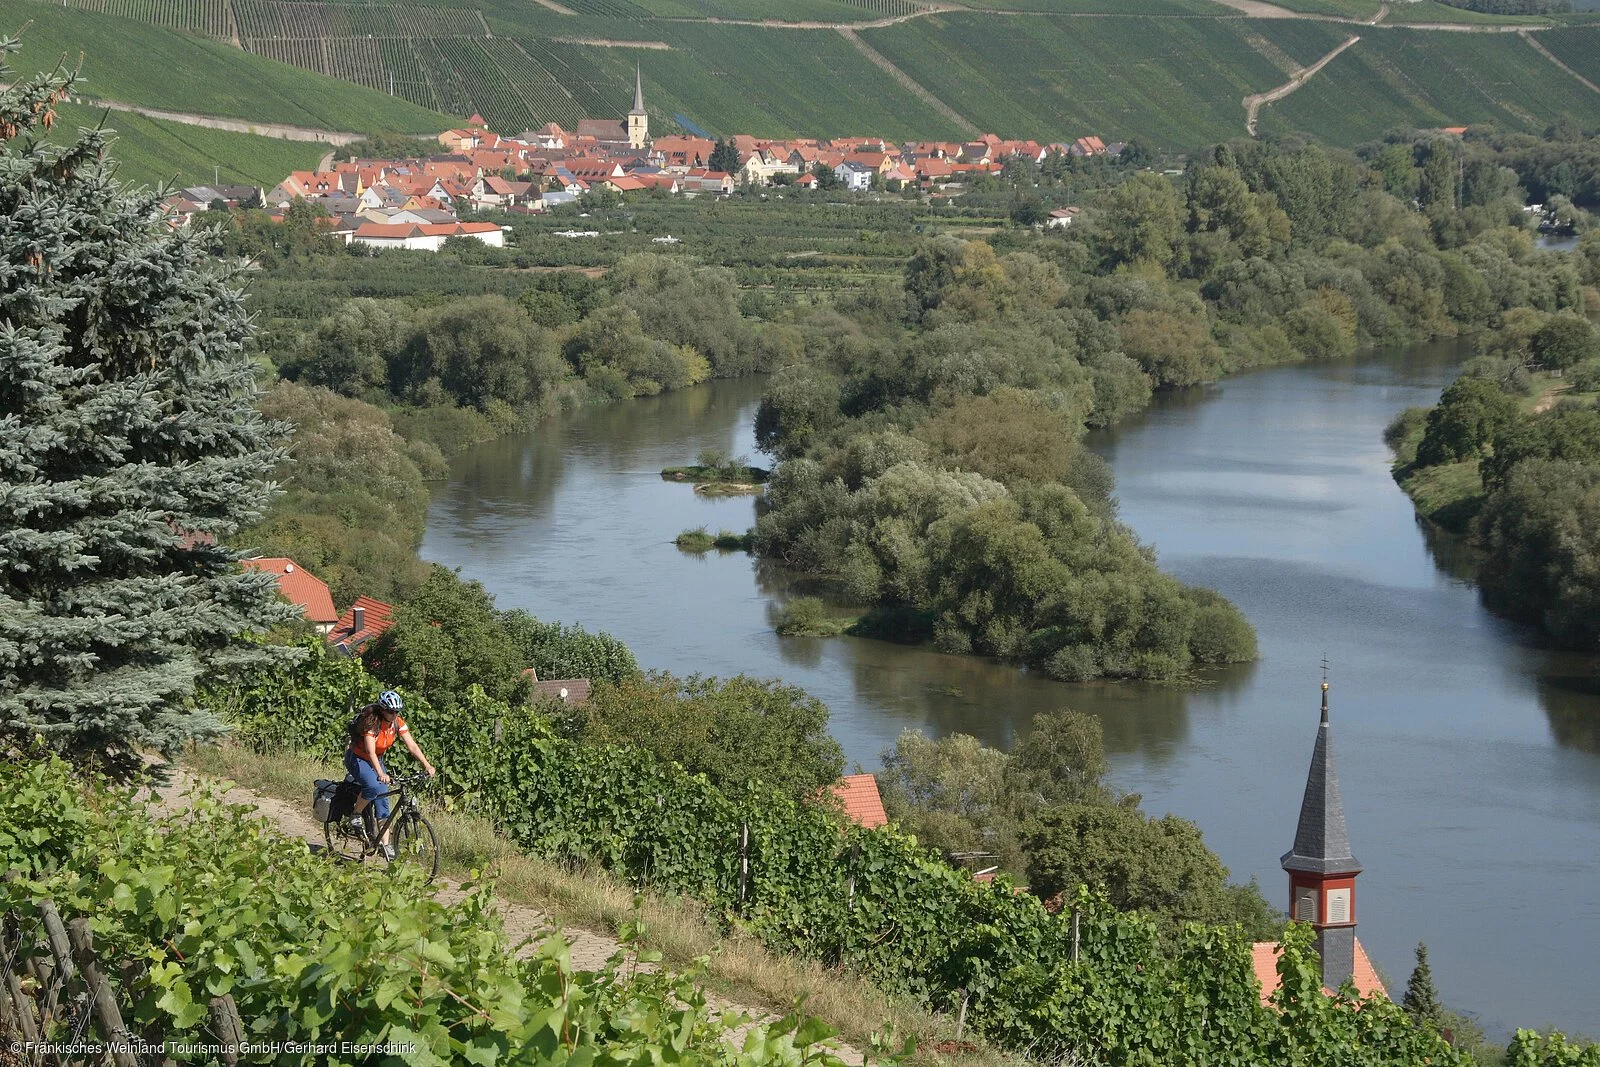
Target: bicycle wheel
(415, 844)
(342, 843)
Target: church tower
(1322, 872)
(638, 118)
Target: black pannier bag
(331, 801)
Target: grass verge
(739, 968)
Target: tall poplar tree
(129, 446)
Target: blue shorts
(363, 772)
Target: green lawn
(1413, 78)
(149, 151)
(136, 63)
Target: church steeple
(638, 118)
(1322, 870)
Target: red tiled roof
(299, 586)
(573, 691)
(1264, 960)
(377, 617)
(862, 804)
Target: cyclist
(373, 731)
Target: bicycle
(355, 837)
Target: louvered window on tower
(1305, 906)
(1338, 905)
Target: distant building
(299, 586)
(574, 692)
(632, 132)
(1062, 217)
(1322, 881)
(863, 805)
(854, 176)
(366, 620)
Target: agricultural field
(151, 151)
(136, 63)
(784, 10)
(213, 18)
(1107, 7)
(1344, 9)
(1410, 78)
(1422, 12)
(1177, 82)
(1578, 48)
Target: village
(416, 203)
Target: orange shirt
(384, 736)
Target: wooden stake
(61, 950)
(1074, 935)
(961, 1014)
(744, 858)
(225, 1023)
(103, 999)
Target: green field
(1412, 78)
(1178, 82)
(136, 63)
(152, 152)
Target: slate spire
(638, 91)
(1322, 840)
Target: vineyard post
(16, 1008)
(61, 949)
(744, 858)
(1074, 935)
(961, 1013)
(101, 996)
(225, 1023)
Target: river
(1470, 759)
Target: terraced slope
(1398, 77)
(137, 63)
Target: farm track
(607, 42)
(1254, 102)
(280, 131)
(1552, 57)
(525, 927)
(909, 82)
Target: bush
(808, 616)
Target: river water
(1470, 759)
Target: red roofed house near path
(367, 618)
(862, 804)
(300, 586)
(1322, 882)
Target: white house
(425, 237)
(856, 177)
(1061, 218)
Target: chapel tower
(1322, 871)
(638, 118)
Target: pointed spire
(638, 91)
(1322, 840)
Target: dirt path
(278, 130)
(525, 927)
(1551, 56)
(1254, 102)
(916, 89)
(870, 24)
(606, 42)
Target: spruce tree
(1421, 1000)
(129, 440)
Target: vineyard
(1411, 78)
(171, 911)
(1088, 984)
(214, 18)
